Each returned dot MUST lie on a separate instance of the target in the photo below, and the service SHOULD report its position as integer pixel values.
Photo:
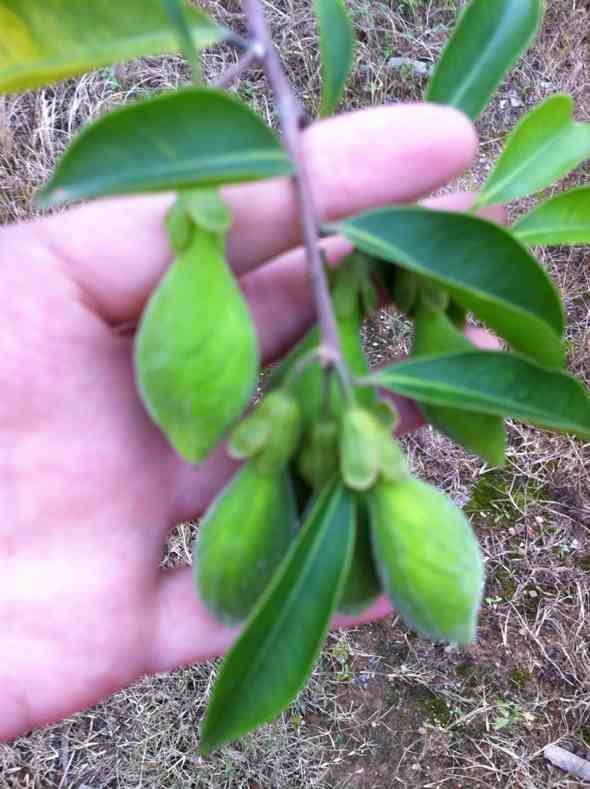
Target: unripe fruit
(248, 438)
(284, 417)
(270, 434)
(241, 541)
(318, 460)
(367, 448)
(359, 448)
(427, 558)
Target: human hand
(89, 488)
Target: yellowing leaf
(44, 41)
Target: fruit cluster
(311, 431)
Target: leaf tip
(51, 197)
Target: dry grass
(384, 708)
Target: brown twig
(238, 69)
(292, 119)
(568, 762)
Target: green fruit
(359, 448)
(249, 436)
(270, 434)
(481, 433)
(241, 541)
(282, 412)
(368, 450)
(318, 460)
(428, 559)
(362, 586)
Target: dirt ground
(384, 708)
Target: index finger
(116, 250)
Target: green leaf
(489, 38)
(44, 41)
(241, 541)
(483, 434)
(481, 265)
(337, 45)
(196, 350)
(494, 383)
(544, 147)
(276, 652)
(178, 16)
(565, 219)
(428, 559)
(195, 137)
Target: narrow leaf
(544, 147)
(195, 137)
(494, 383)
(276, 652)
(196, 350)
(45, 41)
(489, 38)
(177, 13)
(565, 219)
(481, 265)
(337, 44)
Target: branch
(568, 762)
(238, 69)
(292, 118)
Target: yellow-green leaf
(565, 219)
(337, 44)
(546, 145)
(45, 41)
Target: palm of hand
(88, 486)
(88, 503)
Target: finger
(116, 250)
(461, 202)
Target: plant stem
(292, 117)
(238, 69)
